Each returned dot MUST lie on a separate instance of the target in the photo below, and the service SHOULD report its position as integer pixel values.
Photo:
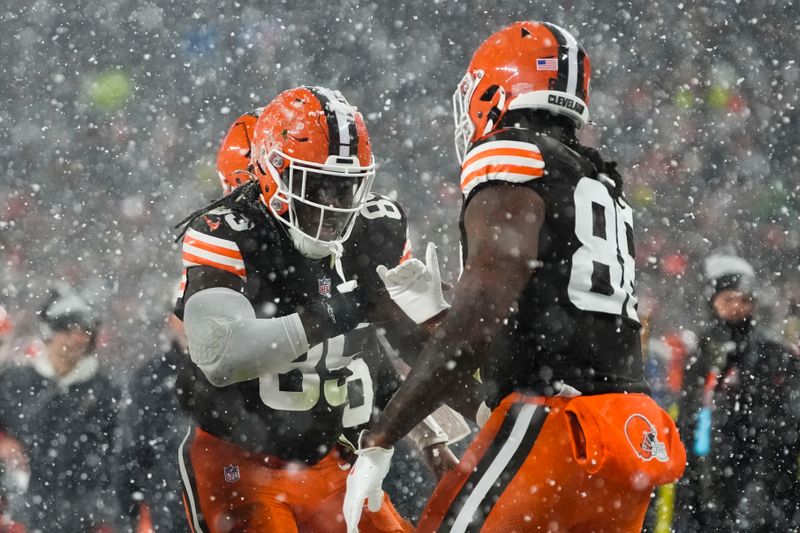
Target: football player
(445, 426)
(545, 313)
(279, 299)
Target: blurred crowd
(111, 113)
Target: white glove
(364, 483)
(416, 286)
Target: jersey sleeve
(210, 242)
(202, 249)
(509, 161)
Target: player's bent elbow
(244, 349)
(223, 367)
(208, 338)
(209, 318)
(216, 378)
(223, 373)
(230, 345)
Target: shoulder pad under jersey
(383, 226)
(213, 240)
(508, 155)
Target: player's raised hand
(416, 287)
(364, 483)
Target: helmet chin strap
(317, 250)
(307, 247)
(338, 252)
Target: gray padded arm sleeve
(229, 344)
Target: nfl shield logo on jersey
(325, 286)
(231, 473)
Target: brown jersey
(297, 415)
(576, 321)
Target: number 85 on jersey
(602, 275)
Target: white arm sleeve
(229, 344)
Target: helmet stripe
(563, 65)
(330, 118)
(344, 117)
(342, 133)
(567, 59)
(350, 121)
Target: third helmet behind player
(233, 158)
(313, 160)
(527, 65)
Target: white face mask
(323, 201)
(462, 97)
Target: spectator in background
(150, 487)
(737, 417)
(62, 409)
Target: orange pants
(228, 489)
(586, 464)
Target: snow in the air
(112, 111)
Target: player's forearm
(420, 395)
(437, 377)
(326, 318)
(467, 398)
(230, 345)
(407, 338)
(484, 299)
(449, 359)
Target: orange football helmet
(313, 160)
(527, 65)
(233, 157)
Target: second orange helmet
(527, 65)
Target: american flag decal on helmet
(547, 63)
